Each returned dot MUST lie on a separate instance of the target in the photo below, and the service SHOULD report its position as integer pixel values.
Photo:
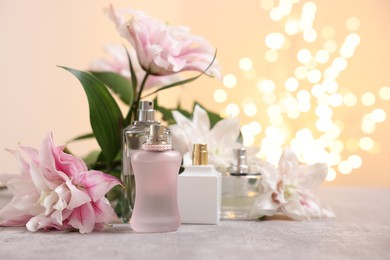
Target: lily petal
(39, 180)
(42, 222)
(264, 206)
(294, 210)
(67, 163)
(49, 201)
(18, 221)
(78, 197)
(46, 155)
(83, 218)
(97, 184)
(201, 120)
(31, 153)
(24, 167)
(180, 141)
(17, 184)
(270, 178)
(288, 162)
(226, 131)
(180, 119)
(104, 213)
(311, 176)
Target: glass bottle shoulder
(148, 156)
(248, 172)
(139, 127)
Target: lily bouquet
(54, 189)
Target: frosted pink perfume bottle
(156, 168)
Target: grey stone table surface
(361, 230)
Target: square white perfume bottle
(199, 190)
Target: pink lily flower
(56, 190)
(118, 63)
(162, 49)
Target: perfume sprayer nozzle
(241, 163)
(146, 111)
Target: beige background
(37, 97)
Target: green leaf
(82, 137)
(166, 113)
(182, 82)
(184, 112)
(119, 84)
(104, 114)
(92, 158)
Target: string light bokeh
(303, 109)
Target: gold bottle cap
(200, 154)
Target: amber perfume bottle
(156, 168)
(240, 188)
(199, 190)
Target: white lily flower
(287, 189)
(220, 140)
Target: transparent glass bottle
(156, 168)
(240, 188)
(133, 138)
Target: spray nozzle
(146, 111)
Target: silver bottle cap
(157, 140)
(157, 135)
(241, 165)
(146, 111)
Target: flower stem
(133, 107)
(142, 87)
